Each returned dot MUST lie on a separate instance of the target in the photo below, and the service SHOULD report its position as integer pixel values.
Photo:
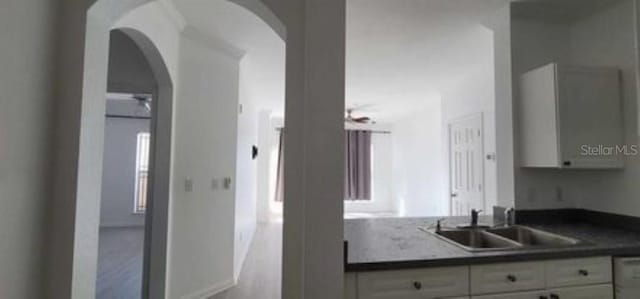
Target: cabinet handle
(543, 297)
(554, 296)
(583, 272)
(512, 278)
(567, 163)
(417, 285)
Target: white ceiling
(400, 53)
(263, 64)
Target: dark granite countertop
(398, 243)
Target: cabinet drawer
(511, 277)
(410, 284)
(589, 292)
(573, 272)
(521, 295)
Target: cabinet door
(538, 118)
(576, 272)
(522, 295)
(590, 119)
(507, 278)
(414, 284)
(589, 292)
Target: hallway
(261, 273)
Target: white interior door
(466, 165)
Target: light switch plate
(188, 185)
(227, 183)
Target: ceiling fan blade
(363, 119)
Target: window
(142, 173)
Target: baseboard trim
(238, 270)
(210, 291)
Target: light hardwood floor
(261, 275)
(120, 263)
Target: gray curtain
(280, 174)
(357, 165)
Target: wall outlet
(227, 183)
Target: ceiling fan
(144, 100)
(350, 118)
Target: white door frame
(450, 123)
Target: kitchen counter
(398, 243)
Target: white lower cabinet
(519, 295)
(432, 283)
(588, 278)
(588, 292)
(576, 272)
(507, 278)
(604, 291)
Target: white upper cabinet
(571, 117)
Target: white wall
(608, 39)
(266, 137)
(201, 255)
(118, 177)
(500, 24)
(420, 140)
(604, 38)
(26, 106)
(247, 173)
(472, 96)
(419, 173)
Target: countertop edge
(511, 256)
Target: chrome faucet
(474, 217)
(439, 224)
(510, 217)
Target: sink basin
(470, 226)
(503, 238)
(476, 240)
(532, 237)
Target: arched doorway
(103, 16)
(135, 178)
(315, 86)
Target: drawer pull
(543, 297)
(512, 278)
(417, 285)
(583, 272)
(554, 296)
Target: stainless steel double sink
(503, 238)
